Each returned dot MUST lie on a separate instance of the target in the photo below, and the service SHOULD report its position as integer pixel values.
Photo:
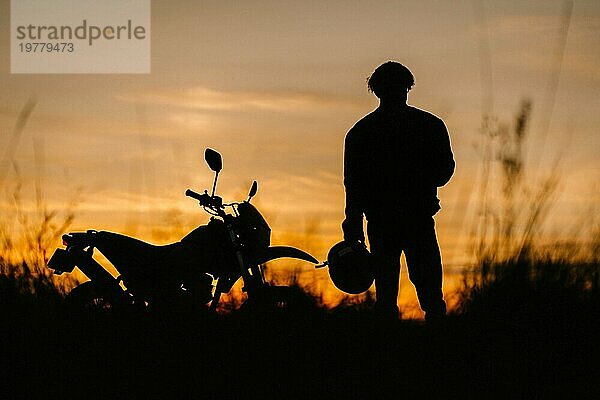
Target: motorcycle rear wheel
(87, 295)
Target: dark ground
(49, 351)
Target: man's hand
(353, 230)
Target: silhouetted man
(395, 158)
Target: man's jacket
(394, 161)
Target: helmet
(351, 267)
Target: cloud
(529, 42)
(207, 99)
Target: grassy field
(529, 331)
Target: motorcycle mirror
(253, 190)
(213, 159)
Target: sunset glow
(274, 87)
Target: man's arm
(353, 182)
(442, 157)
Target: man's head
(391, 81)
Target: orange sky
(274, 86)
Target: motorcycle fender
(274, 252)
(61, 261)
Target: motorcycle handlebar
(213, 202)
(202, 198)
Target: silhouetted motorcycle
(231, 246)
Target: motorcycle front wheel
(284, 300)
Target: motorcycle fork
(222, 283)
(258, 274)
(222, 286)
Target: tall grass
(27, 235)
(515, 270)
(27, 238)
